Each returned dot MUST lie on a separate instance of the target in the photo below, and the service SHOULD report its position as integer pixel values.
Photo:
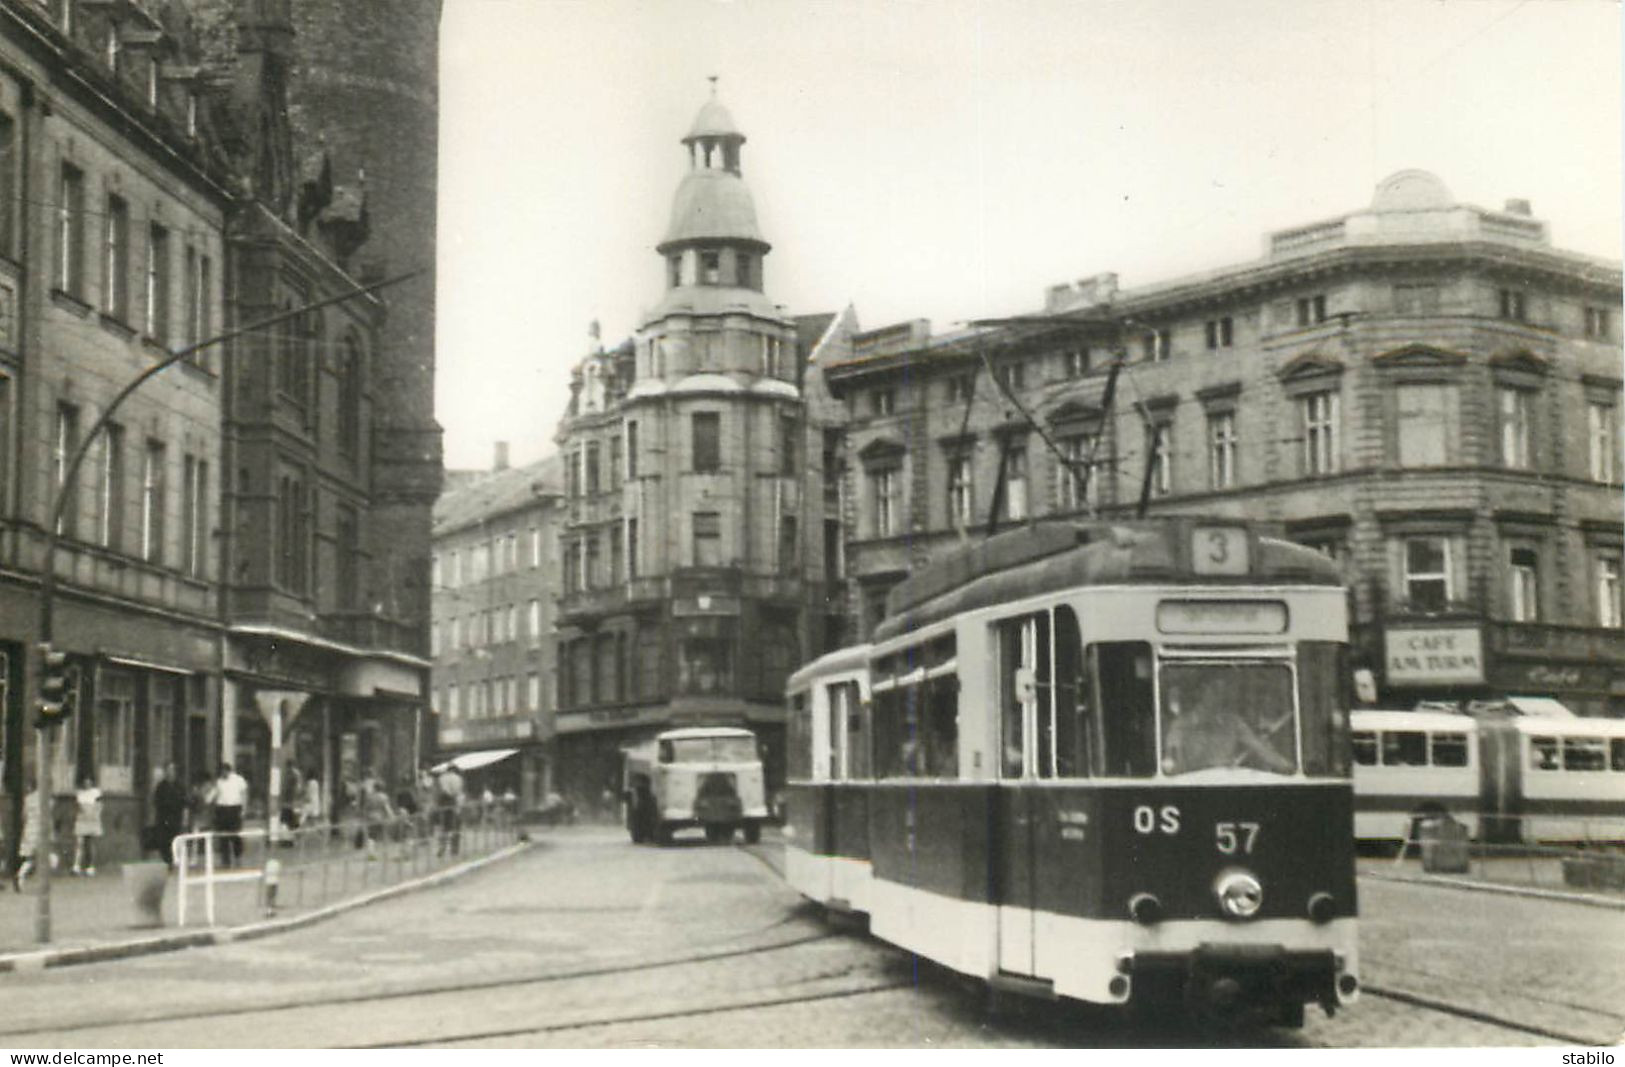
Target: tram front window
(708, 750)
(1227, 715)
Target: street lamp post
(46, 728)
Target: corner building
(1427, 391)
(692, 577)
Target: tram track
(1461, 1011)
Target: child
(29, 842)
(87, 826)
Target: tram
(1509, 778)
(1106, 762)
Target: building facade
(692, 540)
(243, 534)
(494, 575)
(1425, 390)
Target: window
(152, 502)
(1514, 406)
(349, 552)
(710, 268)
(1311, 310)
(1448, 750)
(594, 573)
(960, 388)
(883, 489)
(1079, 474)
(769, 357)
(157, 314)
(1609, 609)
(1220, 332)
(789, 544)
(349, 417)
(1015, 487)
(533, 695)
(1364, 745)
(116, 259)
(707, 539)
(707, 429)
(1599, 323)
(1157, 346)
(592, 468)
(114, 741)
(1512, 305)
(631, 548)
(631, 450)
(1426, 423)
(1523, 575)
(1075, 362)
(1160, 443)
(1602, 435)
(533, 621)
(457, 635)
(1221, 436)
(1404, 748)
(616, 466)
(70, 231)
(882, 402)
(742, 266)
(789, 444)
(1320, 447)
(1427, 573)
(111, 490)
(1416, 299)
(1585, 754)
(961, 491)
(194, 515)
(64, 446)
(8, 185)
(674, 270)
(434, 638)
(1012, 375)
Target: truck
(705, 777)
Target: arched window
(350, 372)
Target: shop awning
(1540, 707)
(469, 761)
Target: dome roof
(713, 121)
(712, 205)
(1412, 190)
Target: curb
(23, 962)
(1589, 900)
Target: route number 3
(1235, 837)
(1219, 550)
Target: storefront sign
(1435, 657)
(1548, 677)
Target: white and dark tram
(1106, 762)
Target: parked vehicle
(706, 777)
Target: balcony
(586, 603)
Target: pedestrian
(448, 808)
(201, 807)
(169, 807)
(87, 826)
(313, 798)
(28, 843)
(230, 794)
(376, 811)
(293, 795)
(488, 803)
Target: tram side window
(1616, 753)
(1365, 747)
(1024, 681)
(1124, 708)
(1323, 701)
(859, 733)
(941, 715)
(837, 699)
(799, 762)
(1071, 711)
(1543, 753)
(1584, 754)
(1404, 748)
(891, 732)
(1449, 750)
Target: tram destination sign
(1435, 656)
(1221, 617)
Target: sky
(951, 159)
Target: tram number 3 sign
(1219, 550)
(1230, 838)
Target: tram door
(1023, 666)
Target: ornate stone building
(693, 560)
(1425, 390)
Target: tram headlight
(1322, 908)
(1145, 909)
(1240, 894)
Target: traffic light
(55, 697)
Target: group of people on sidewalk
(87, 832)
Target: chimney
(500, 462)
(1519, 206)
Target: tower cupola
(713, 239)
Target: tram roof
(850, 658)
(1048, 556)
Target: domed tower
(689, 498)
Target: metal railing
(257, 872)
(1542, 852)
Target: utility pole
(46, 726)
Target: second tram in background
(1102, 762)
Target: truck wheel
(663, 832)
(753, 832)
(718, 834)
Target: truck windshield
(712, 750)
(1228, 714)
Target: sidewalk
(94, 918)
(1541, 879)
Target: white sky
(950, 159)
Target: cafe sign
(1432, 657)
